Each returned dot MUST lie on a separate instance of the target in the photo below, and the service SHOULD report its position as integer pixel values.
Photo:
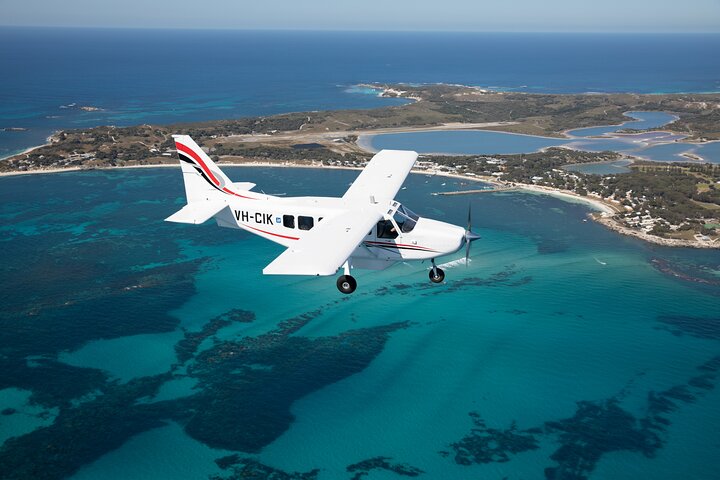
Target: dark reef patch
(487, 445)
(363, 468)
(252, 383)
(82, 434)
(504, 278)
(124, 303)
(700, 327)
(186, 348)
(62, 290)
(53, 384)
(240, 468)
(687, 273)
(246, 389)
(596, 428)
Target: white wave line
(454, 263)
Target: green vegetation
(678, 201)
(666, 200)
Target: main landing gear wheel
(436, 275)
(346, 284)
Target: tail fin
(203, 179)
(207, 188)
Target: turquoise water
(656, 146)
(160, 348)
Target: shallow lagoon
(656, 146)
(551, 311)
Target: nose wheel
(346, 284)
(436, 273)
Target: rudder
(203, 179)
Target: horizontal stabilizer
(244, 186)
(196, 213)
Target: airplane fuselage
(287, 220)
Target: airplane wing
(327, 246)
(381, 179)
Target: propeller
(469, 235)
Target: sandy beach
(572, 197)
(606, 216)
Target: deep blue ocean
(169, 76)
(135, 348)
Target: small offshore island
(673, 204)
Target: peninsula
(672, 204)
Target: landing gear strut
(346, 283)
(436, 273)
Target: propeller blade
(469, 235)
(469, 227)
(467, 232)
(467, 252)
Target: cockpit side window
(406, 219)
(386, 229)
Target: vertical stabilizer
(203, 179)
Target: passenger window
(386, 229)
(289, 221)
(305, 223)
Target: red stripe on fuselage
(397, 245)
(227, 190)
(270, 233)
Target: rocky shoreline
(606, 216)
(611, 222)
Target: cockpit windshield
(405, 218)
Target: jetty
(480, 190)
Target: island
(673, 204)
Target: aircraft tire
(346, 284)
(437, 277)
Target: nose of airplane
(471, 236)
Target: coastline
(571, 197)
(49, 141)
(362, 142)
(605, 217)
(610, 223)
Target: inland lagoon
(652, 145)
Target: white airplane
(365, 228)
